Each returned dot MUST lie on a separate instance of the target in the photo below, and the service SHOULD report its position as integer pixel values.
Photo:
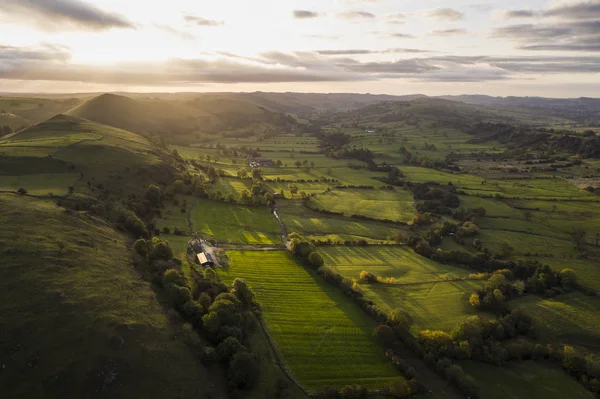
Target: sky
(433, 47)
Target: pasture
(566, 319)
(312, 224)
(232, 223)
(40, 184)
(396, 205)
(386, 261)
(323, 337)
(525, 380)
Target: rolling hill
(176, 117)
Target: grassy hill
(106, 157)
(77, 320)
(176, 117)
(19, 112)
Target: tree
(243, 370)
(153, 194)
(161, 250)
(205, 301)
(22, 191)
(399, 318)
(474, 300)
(141, 247)
(241, 290)
(298, 164)
(293, 189)
(228, 348)
(315, 260)
(568, 278)
(399, 388)
(578, 235)
(257, 174)
(506, 249)
(399, 237)
(242, 173)
(269, 198)
(172, 276)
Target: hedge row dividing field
(324, 338)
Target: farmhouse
(195, 246)
(258, 162)
(205, 259)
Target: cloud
(402, 36)
(305, 14)
(365, 51)
(52, 63)
(357, 15)
(449, 14)
(57, 15)
(448, 32)
(201, 21)
(511, 14)
(175, 32)
(565, 36)
(579, 10)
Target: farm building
(205, 259)
(195, 246)
(258, 162)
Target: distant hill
(176, 116)
(20, 112)
(579, 109)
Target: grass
(400, 263)
(397, 205)
(434, 306)
(323, 337)
(300, 219)
(525, 380)
(77, 316)
(234, 223)
(39, 184)
(571, 318)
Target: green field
(234, 223)
(525, 380)
(397, 205)
(40, 184)
(571, 318)
(300, 219)
(323, 337)
(400, 263)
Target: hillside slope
(105, 157)
(77, 319)
(176, 117)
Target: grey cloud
(449, 14)
(56, 15)
(581, 10)
(365, 51)
(510, 14)
(402, 36)
(448, 32)
(305, 14)
(202, 21)
(50, 62)
(357, 14)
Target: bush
(178, 295)
(367, 277)
(141, 247)
(228, 348)
(243, 370)
(315, 260)
(384, 335)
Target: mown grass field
(433, 306)
(400, 263)
(570, 318)
(324, 338)
(525, 380)
(397, 205)
(234, 223)
(77, 319)
(300, 219)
